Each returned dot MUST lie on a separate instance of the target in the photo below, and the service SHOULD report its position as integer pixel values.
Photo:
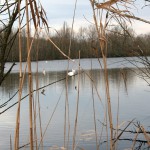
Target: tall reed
(94, 113)
(16, 144)
(29, 77)
(102, 42)
(77, 108)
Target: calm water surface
(133, 97)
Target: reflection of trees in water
(116, 77)
(10, 85)
(124, 77)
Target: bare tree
(5, 40)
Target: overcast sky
(60, 11)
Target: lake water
(131, 91)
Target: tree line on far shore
(120, 43)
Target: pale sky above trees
(60, 11)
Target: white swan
(71, 73)
(44, 72)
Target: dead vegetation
(103, 14)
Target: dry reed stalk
(37, 96)
(30, 74)
(16, 144)
(77, 108)
(21, 81)
(124, 76)
(68, 136)
(102, 41)
(29, 78)
(106, 125)
(34, 122)
(10, 143)
(100, 138)
(40, 121)
(115, 147)
(116, 135)
(92, 81)
(134, 141)
(67, 102)
(117, 138)
(66, 117)
(121, 13)
(50, 40)
(107, 94)
(146, 136)
(94, 114)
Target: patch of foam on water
(55, 147)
